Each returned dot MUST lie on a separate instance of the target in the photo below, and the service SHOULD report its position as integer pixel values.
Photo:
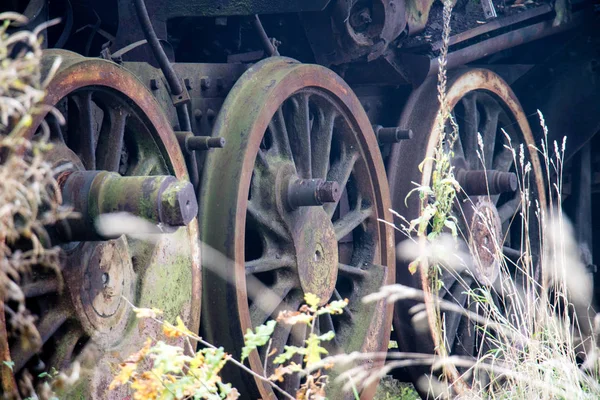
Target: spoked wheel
(481, 102)
(117, 153)
(293, 203)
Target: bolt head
(205, 82)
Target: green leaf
(335, 307)
(452, 226)
(43, 375)
(290, 351)
(326, 336)
(168, 358)
(413, 266)
(258, 338)
(313, 350)
(312, 300)
(9, 364)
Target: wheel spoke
(350, 221)
(321, 142)
(291, 382)
(279, 134)
(46, 328)
(266, 304)
(63, 354)
(265, 220)
(83, 135)
(282, 333)
(40, 288)
(298, 127)
(466, 333)
(352, 271)
(326, 324)
(458, 295)
(489, 132)
(508, 209)
(269, 263)
(511, 254)
(144, 167)
(261, 160)
(469, 131)
(340, 172)
(347, 311)
(56, 133)
(110, 141)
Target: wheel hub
(106, 281)
(313, 236)
(486, 230)
(316, 252)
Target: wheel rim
(120, 128)
(480, 102)
(271, 106)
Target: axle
(159, 199)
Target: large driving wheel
(293, 203)
(481, 102)
(117, 152)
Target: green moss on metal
(168, 281)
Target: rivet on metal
(205, 82)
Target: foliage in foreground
(29, 199)
(164, 371)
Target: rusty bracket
(488, 9)
(181, 98)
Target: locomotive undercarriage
(293, 164)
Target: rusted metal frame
(488, 9)
(499, 23)
(421, 67)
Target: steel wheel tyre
(284, 121)
(113, 124)
(480, 102)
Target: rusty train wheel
(481, 102)
(113, 125)
(297, 137)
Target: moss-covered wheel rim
(467, 88)
(126, 132)
(246, 217)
